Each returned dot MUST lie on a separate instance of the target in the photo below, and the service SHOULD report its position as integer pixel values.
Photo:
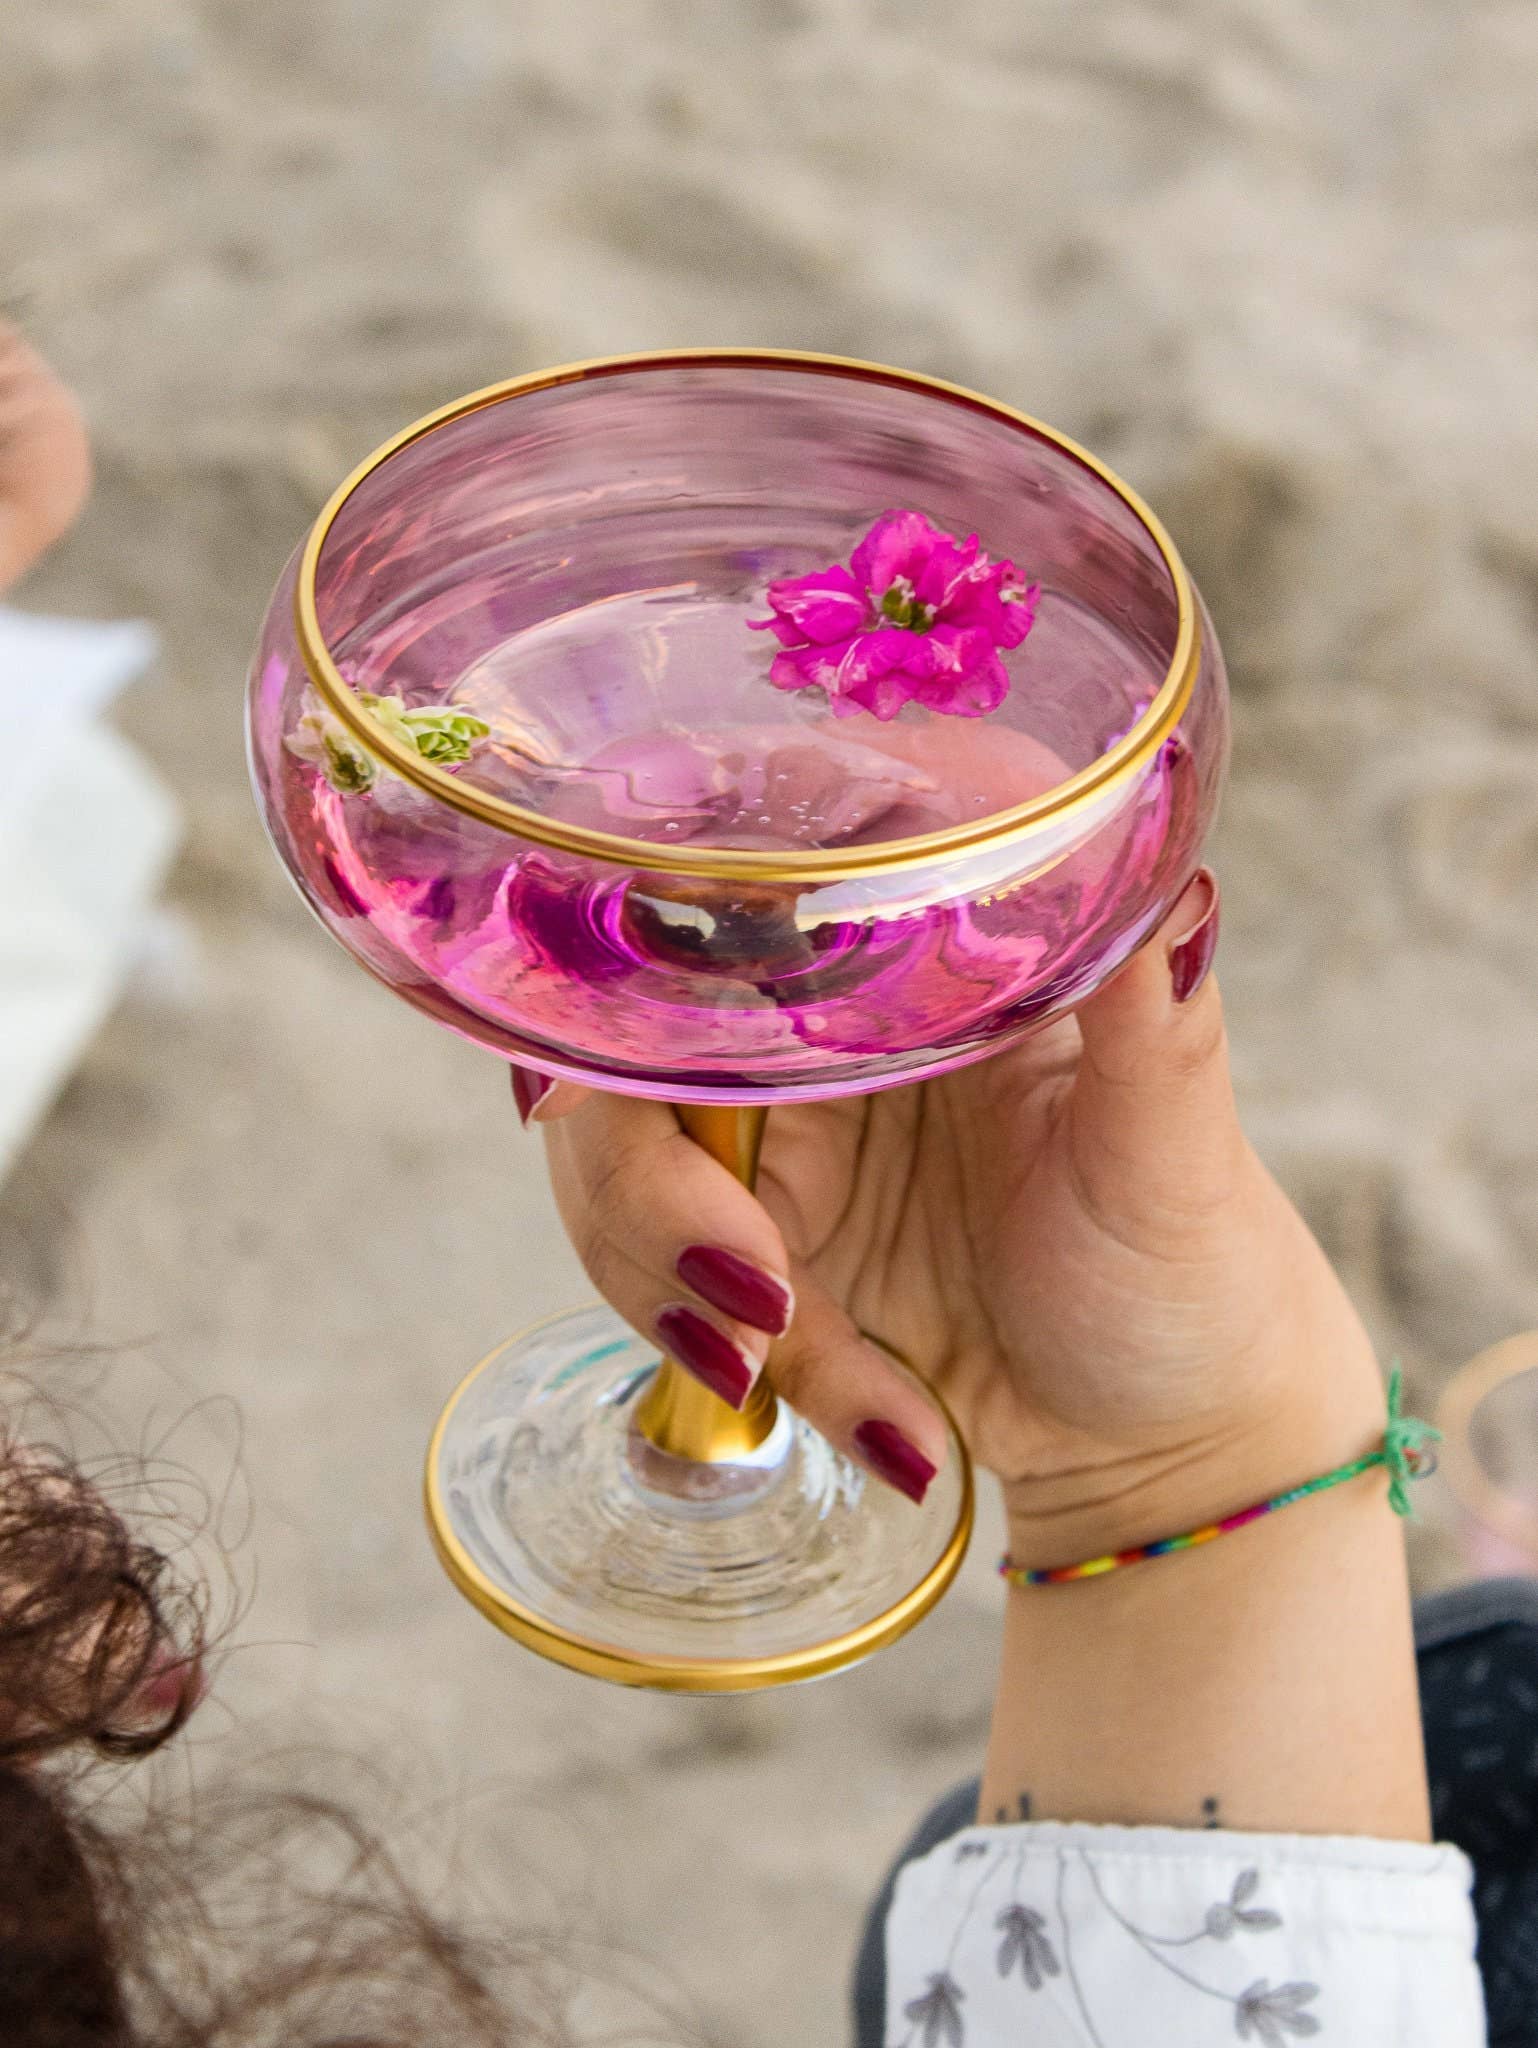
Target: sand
(1275, 260)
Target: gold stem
(678, 1414)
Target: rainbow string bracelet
(1407, 1451)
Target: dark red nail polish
(529, 1090)
(705, 1351)
(737, 1287)
(891, 1457)
(1191, 957)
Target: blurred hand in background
(45, 460)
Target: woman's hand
(1072, 1241)
(45, 463)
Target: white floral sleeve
(1056, 1936)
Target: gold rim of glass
(1117, 764)
(599, 1659)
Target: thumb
(1152, 1124)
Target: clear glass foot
(576, 1535)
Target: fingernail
(893, 1458)
(1191, 957)
(707, 1352)
(529, 1089)
(737, 1287)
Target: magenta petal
(955, 649)
(968, 675)
(970, 604)
(870, 673)
(1017, 612)
(969, 693)
(921, 657)
(785, 673)
(782, 629)
(874, 654)
(834, 578)
(970, 587)
(805, 667)
(823, 608)
(983, 691)
(883, 694)
(899, 544)
(827, 618)
(949, 568)
(981, 602)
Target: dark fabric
(1478, 1654)
(1477, 1651)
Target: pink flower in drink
(917, 617)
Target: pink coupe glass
(655, 873)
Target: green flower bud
(326, 744)
(349, 767)
(444, 735)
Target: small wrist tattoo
(1212, 1812)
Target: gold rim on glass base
(563, 1641)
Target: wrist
(1262, 1683)
(1317, 1420)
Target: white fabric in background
(86, 833)
(1055, 1936)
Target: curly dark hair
(249, 1918)
(272, 1921)
(93, 1619)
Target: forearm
(1265, 1681)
